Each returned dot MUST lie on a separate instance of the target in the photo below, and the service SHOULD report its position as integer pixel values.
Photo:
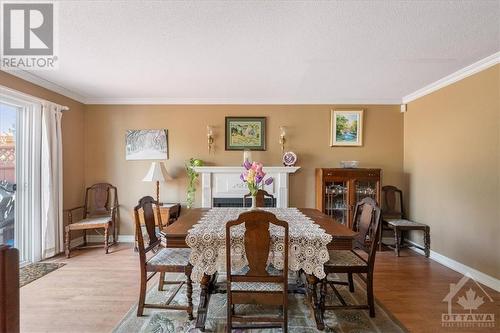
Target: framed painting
(346, 128)
(146, 144)
(245, 133)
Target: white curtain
(51, 181)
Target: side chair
(260, 199)
(367, 217)
(393, 217)
(156, 259)
(99, 212)
(260, 284)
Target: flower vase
(254, 203)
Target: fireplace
(222, 187)
(238, 202)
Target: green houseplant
(192, 180)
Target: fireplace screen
(238, 202)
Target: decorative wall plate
(289, 158)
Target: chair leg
(369, 294)
(427, 241)
(142, 294)
(67, 242)
(84, 237)
(351, 282)
(285, 312)
(161, 281)
(189, 294)
(106, 240)
(397, 235)
(229, 321)
(114, 233)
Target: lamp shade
(157, 172)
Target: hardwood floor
(94, 291)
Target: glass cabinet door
(365, 189)
(336, 201)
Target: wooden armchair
(99, 212)
(258, 285)
(260, 199)
(155, 259)
(367, 217)
(394, 218)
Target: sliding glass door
(8, 231)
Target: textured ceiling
(267, 51)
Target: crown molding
(454, 77)
(32, 78)
(235, 101)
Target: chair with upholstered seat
(155, 259)
(394, 218)
(367, 218)
(260, 199)
(99, 212)
(258, 283)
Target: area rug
(32, 272)
(300, 314)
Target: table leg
(313, 282)
(207, 285)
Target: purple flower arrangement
(254, 176)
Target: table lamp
(157, 173)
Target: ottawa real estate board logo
(470, 296)
(28, 35)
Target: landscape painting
(146, 144)
(245, 133)
(346, 128)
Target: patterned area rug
(32, 272)
(300, 314)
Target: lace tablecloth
(207, 239)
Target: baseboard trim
(481, 277)
(100, 238)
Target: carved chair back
(257, 247)
(367, 217)
(260, 198)
(100, 199)
(145, 207)
(393, 202)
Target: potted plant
(192, 180)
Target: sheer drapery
(38, 199)
(51, 181)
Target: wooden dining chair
(260, 199)
(99, 212)
(393, 218)
(367, 217)
(153, 259)
(259, 285)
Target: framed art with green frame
(245, 133)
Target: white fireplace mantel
(225, 182)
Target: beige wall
(73, 136)
(452, 163)
(308, 128)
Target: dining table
(200, 230)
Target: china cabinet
(339, 189)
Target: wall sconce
(282, 137)
(210, 138)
